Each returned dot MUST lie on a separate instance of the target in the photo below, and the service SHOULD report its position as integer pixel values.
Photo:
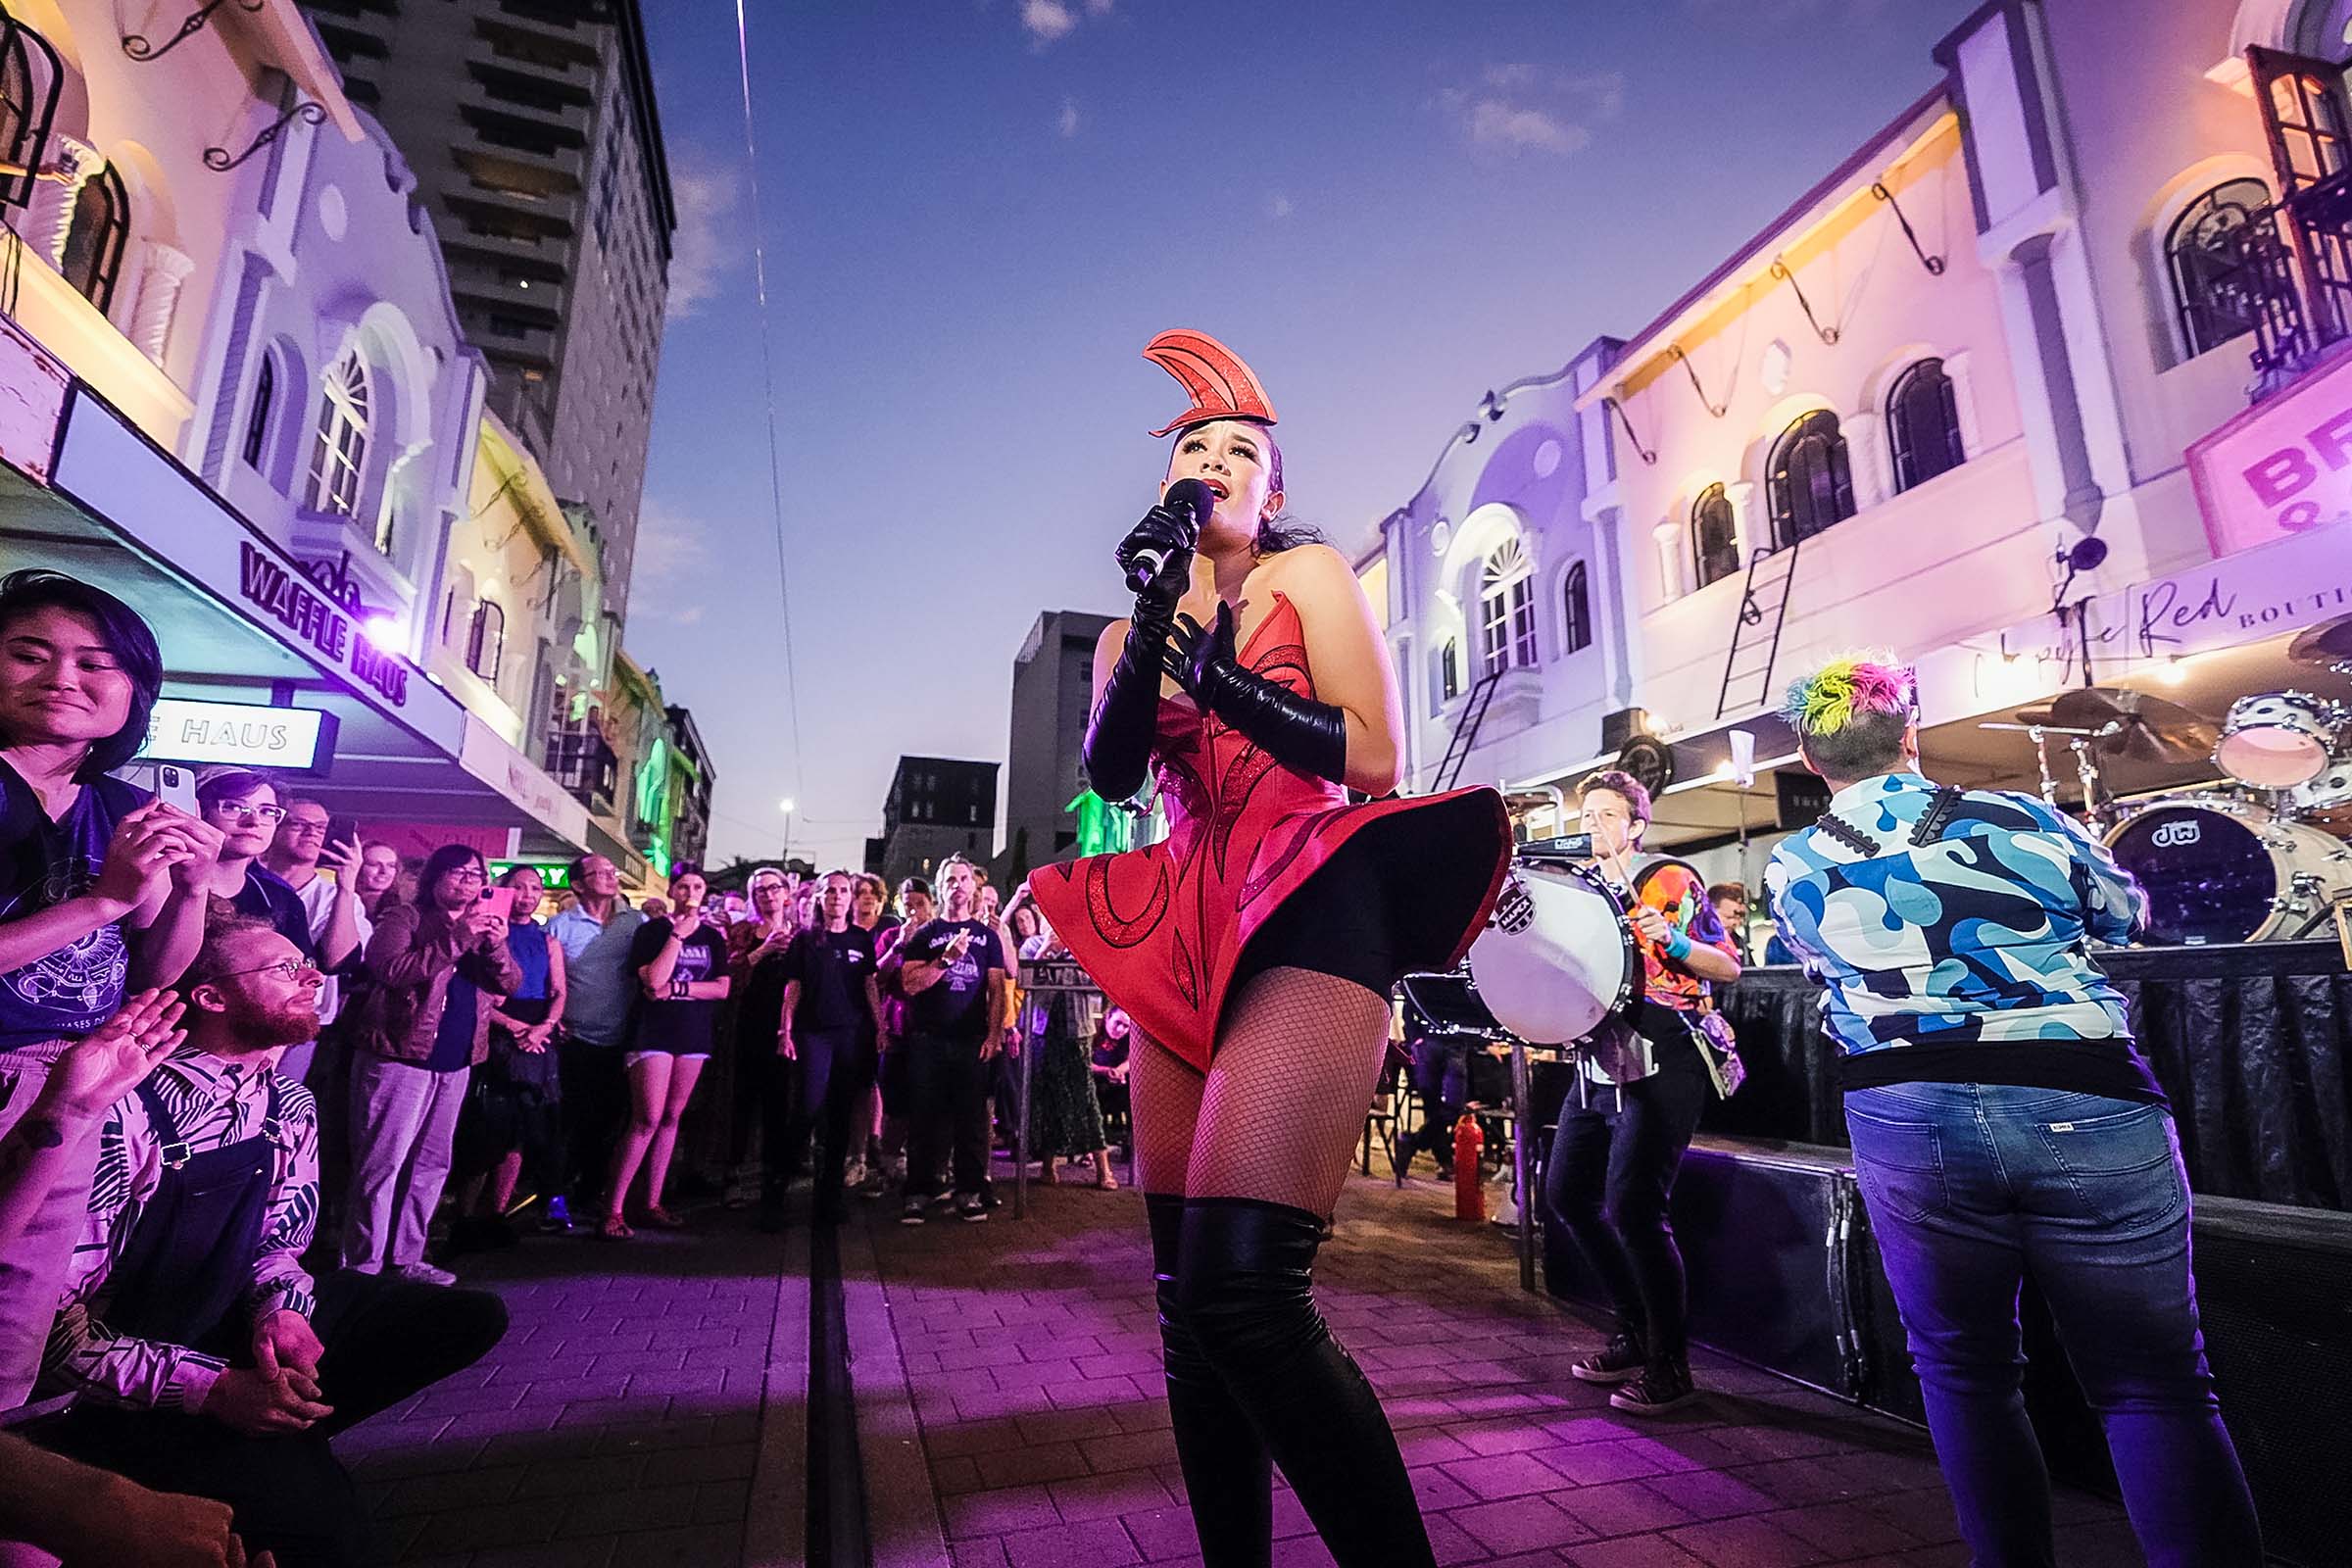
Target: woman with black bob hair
(101, 887)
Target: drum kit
(2258, 855)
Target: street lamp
(785, 805)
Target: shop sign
(297, 740)
(488, 757)
(2288, 584)
(2282, 467)
(33, 402)
(294, 604)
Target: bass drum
(1559, 958)
(2226, 871)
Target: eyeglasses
(271, 814)
(464, 875)
(291, 969)
(304, 830)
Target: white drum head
(2275, 739)
(1570, 966)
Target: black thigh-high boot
(1245, 1289)
(1226, 1469)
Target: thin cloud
(674, 563)
(1048, 22)
(1278, 206)
(1067, 123)
(1520, 108)
(704, 249)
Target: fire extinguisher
(1469, 1192)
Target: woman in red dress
(1255, 949)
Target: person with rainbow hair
(2004, 1125)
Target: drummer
(1622, 1133)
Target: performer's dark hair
(126, 636)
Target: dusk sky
(977, 213)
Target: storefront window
(1812, 482)
(1714, 537)
(1506, 609)
(340, 456)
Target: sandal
(613, 1229)
(661, 1219)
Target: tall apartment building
(1053, 692)
(937, 806)
(531, 128)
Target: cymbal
(2327, 644)
(2135, 726)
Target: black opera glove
(1172, 533)
(1297, 731)
(1126, 719)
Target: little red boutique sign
(2282, 467)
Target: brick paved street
(1009, 1412)
(617, 1423)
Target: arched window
(1576, 612)
(1923, 424)
(1811, 484)
(29, 77)
(256, 417)
(486, 641)
(94, 239)
(1714, 537)
(2215, 287)
(339, 454)
(1450, 670)
(1506, 609)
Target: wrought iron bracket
(139, 47)
(1934, 264)
(1787, 274)
(218, 159)
(1718, 410)
(1646, 454)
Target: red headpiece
(1220, 385)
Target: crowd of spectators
(265, 1082)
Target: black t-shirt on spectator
(44, 863)
(684, 1027)
(271, 899)
(832, 967)
(956, 1006)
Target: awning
(239, 620)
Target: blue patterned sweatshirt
(1964, 958)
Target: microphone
(1196, 500)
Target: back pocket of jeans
(1899, 1165)
(2118, 1143)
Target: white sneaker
(424, 1273)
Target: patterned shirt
(1979, 934)
(215, 1102)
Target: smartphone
(342, 829)
(499, 902)
(175, 785)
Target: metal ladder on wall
(1465, 733)
(1763, 610)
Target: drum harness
(1943, 803)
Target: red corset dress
(1162, 929)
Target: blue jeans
(1970, 1187)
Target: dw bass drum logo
(2178, 834)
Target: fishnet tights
(1279, 1113)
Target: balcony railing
(583, 763)
(2293, 279)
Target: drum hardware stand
(1522, 1103)
(2039, 734)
